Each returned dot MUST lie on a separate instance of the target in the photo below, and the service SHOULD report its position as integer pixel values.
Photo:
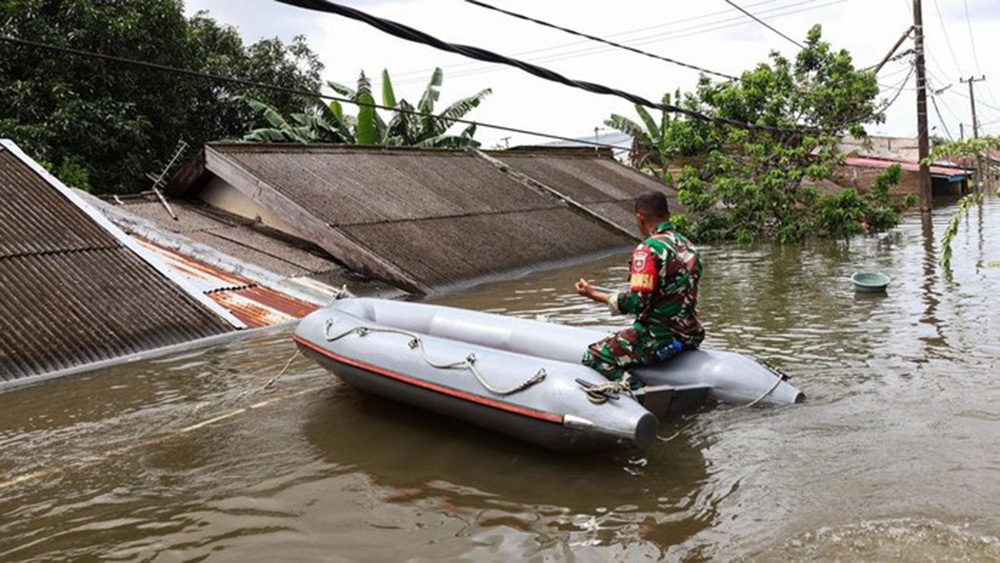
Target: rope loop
(415, 343)
(599, 393)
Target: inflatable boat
(520, 377)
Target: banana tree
(406, 128)
(659, 142)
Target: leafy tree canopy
(754, 184)
(112, 124)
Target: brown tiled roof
(70, 292)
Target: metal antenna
(158, 180)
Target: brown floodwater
(894, 455)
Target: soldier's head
(651, 210)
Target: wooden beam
(330, 239)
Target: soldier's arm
(642, 284)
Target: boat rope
(416, 343)
(780, 375)
(599, 393)
(779, 379)
(284, 370)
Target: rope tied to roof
(416, 343)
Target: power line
(622, 34)
(598, 39)
(941, 119)
(947, 39)
(900, 90)
(410, 34)
(765, 24)
(282, 89)
(658, 38)
(975, 55)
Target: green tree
(757, 184)
(120, 122)
(664, 140)
(330, 124)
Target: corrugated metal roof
(71, 292)
(350, 186)
(905, 165)
(433, 217)
(236, 237)
(256, 306)
(601, 184)
(32, 215)
(446, 250)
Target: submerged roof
(421, 219)
(601, 184)
(242, 240)
(74, 290)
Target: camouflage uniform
(663, 295)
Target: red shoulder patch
(643, 275)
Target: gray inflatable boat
(517, 376)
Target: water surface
(893, 456)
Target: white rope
(766, 393)
(469, 362)
(782, 376)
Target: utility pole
(961, 131)
(922, 131)
(975, 126)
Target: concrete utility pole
(975, 126)
(922, 131)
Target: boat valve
(471, 358)
(414, 343)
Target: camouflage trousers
(625, 350)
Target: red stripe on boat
(433, 387)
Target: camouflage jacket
(663, 294)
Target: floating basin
(870, 282)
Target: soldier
(663, 296)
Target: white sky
(707, 33)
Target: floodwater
(894, 455)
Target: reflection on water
(893, 456)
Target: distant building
(861, 172)
(904, 149)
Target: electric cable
(408, 33)
(765, 24)
(282, 89)
(587, 51)
(632, 40)
(975, 55)
(599, 39)
(947, 39)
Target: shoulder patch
(643, 274)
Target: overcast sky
(707, 33)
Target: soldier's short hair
(652, 204)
